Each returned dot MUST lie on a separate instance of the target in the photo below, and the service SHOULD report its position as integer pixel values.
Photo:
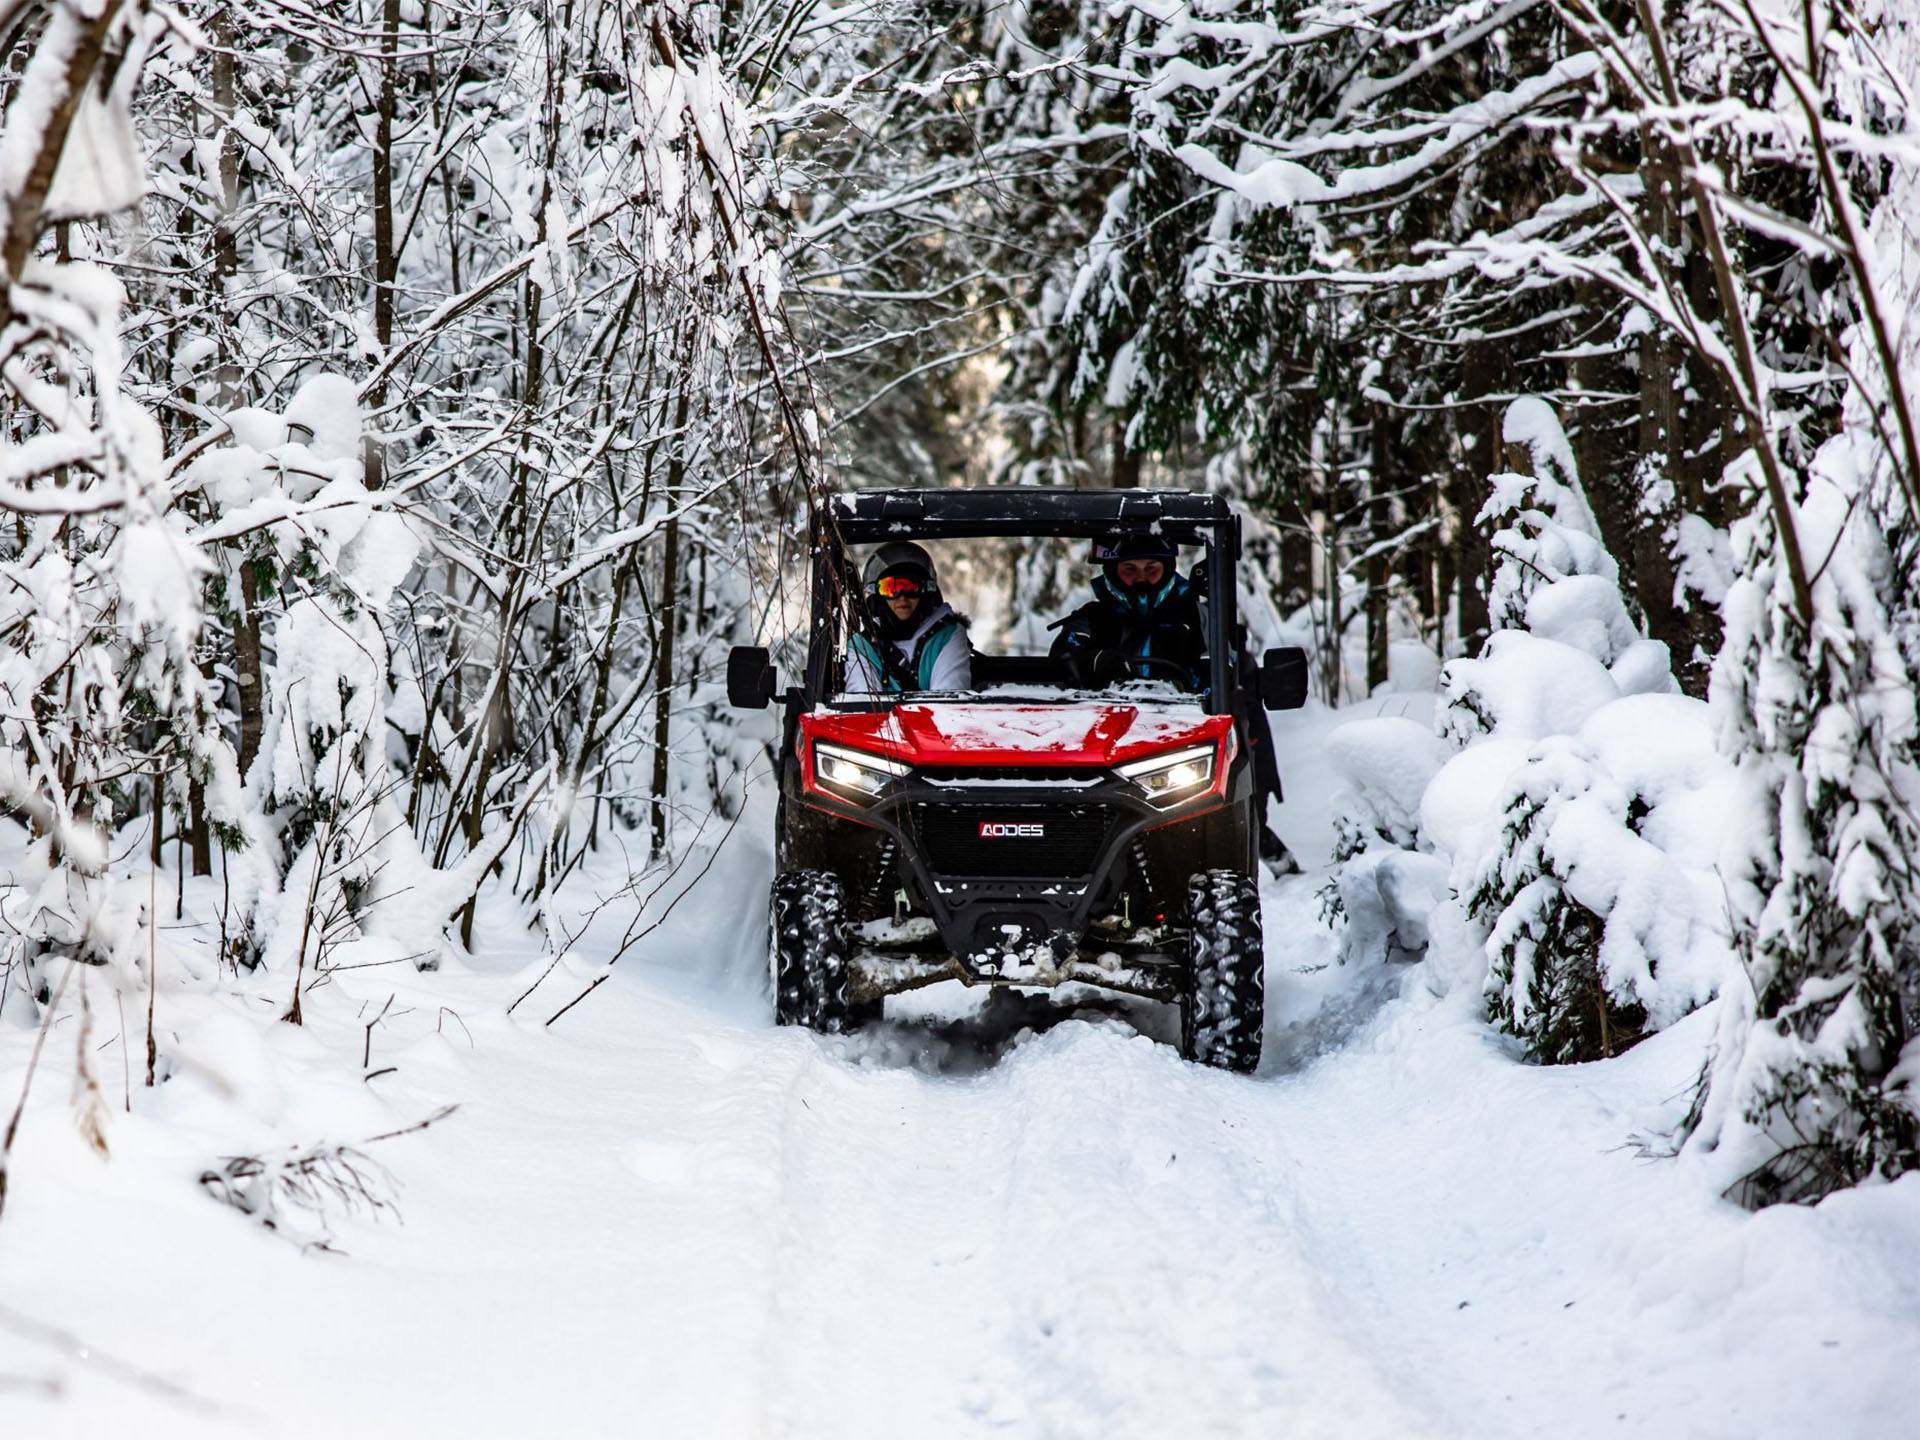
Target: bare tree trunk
(226, 245)
(667, 613)
(1447, 538)
(1659, 505)
(246, 665)
(1380, 484)
(385, 262)
(1479, 377)
(228, 373)
(1327, 541)
(1599, 431)
(1296, 556)
(1126, 462)
(449, 196)
(156, 838)
(1659, 408)
(199, 832)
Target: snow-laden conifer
(1812, 1084)
(1544, 978)
(1554, 580)
(1581, 872)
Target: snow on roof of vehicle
(868, 515)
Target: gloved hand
(1097, 667)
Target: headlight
(856, 771)
(1169, 779)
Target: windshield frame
(1034, 513)
(1162, 695)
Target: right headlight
(860, 775)
(1176, 776)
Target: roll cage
(872, 517)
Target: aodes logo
(1009, 830)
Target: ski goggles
(892, 587)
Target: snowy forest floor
(991, 1214)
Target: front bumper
(1078, 900)
(1147, 963)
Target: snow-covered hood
(1093, 735)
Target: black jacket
(1164, 625)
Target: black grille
(1031, 774)
(1066, 848)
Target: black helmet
(899, 557)
(1116, 548)
(1110, 552)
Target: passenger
(909, 638)
(1143, 621)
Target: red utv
(1023, 832)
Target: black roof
(864, 516)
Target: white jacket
(950, 667)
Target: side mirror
(1283, 678)
(749, 677)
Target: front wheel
(808, 921)
(1223, 1012)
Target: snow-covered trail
(1077, 1241)
(661, 1216)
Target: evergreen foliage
(1545, 981)
(1813, 1084)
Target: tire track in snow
(883, 1281)
(1186, 1308)
(1076, 1242)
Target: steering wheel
(1141, 667)
(1093, 669)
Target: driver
(1143, 610)
(909, 638)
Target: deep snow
(661, 1216)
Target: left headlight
(1169, 779)
(855, 771)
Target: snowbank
(1385, 887)
(1560, 834)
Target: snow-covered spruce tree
(1576, 907)
(1813, 1082)
(1543, 528)
(1545, 982)
(1553, 577)
(1592, 891)
(1543, 977)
